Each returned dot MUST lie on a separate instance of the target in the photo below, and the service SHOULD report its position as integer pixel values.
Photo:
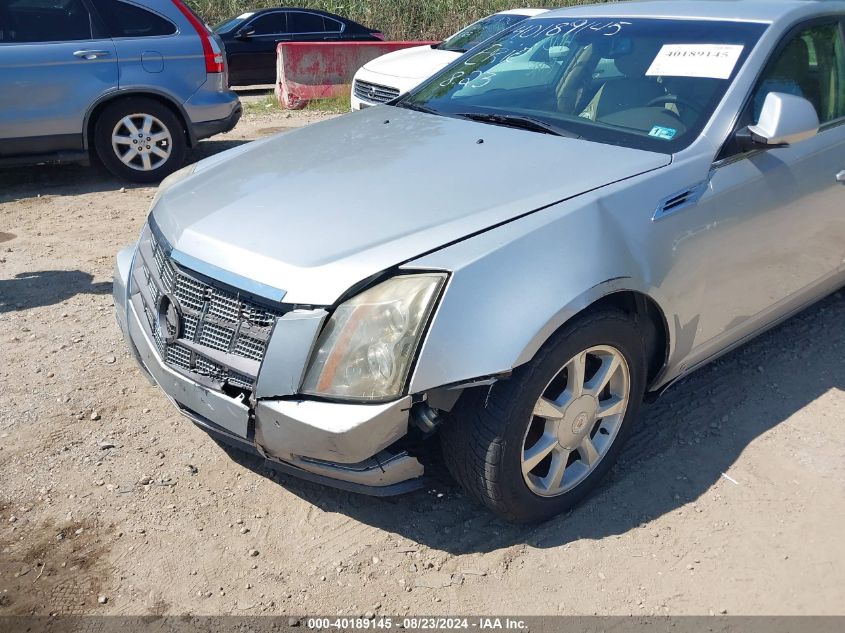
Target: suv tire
(505, 455)
(159, 149)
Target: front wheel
(534, 445)
(140, 139)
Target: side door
(776, 217)
(252, 55)
(54, 63)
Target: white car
(390, 75)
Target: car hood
(317, 210)
(418, 62)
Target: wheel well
(640, 307)
(95, 114)
(649, 317)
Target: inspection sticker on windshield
(666, 133)
(714, 61)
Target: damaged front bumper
(343, 445)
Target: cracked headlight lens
(366, 349)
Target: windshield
(649, 84)
(232, 23)
(479, 31)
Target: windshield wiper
(518, 121)
(440, 47)
(415, 106)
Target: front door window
(811, 65)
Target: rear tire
(534, 445)
(140, 139)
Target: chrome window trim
(342, 25)
(289, 11)
(320, 15)
(147, 37)
(90, 39)
(735, 158)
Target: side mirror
(244, 34)
(784, 120)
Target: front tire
(140, 139)
(533, 446)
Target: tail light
(210, 48)
(378, 36)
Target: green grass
(267, 103)
(397, 19)
(336, 105)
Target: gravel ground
(730, 498)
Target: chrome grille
(222, 336)
(189, 327)
(190, 292)
(205, 367)
(178, 356)
(226, 306)
(374, 93)
(216, 337)
(250, 347)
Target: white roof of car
(737, 10)
(528, 12)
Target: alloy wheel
(142, 142)
(575, 420)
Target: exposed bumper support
(390, 475)
(341, 433)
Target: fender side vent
(678, 201)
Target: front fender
(513, 286)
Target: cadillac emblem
(169, 319)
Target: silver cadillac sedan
(571, 216)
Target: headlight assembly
(367, 347)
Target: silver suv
(136, 82)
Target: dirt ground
(730, 498)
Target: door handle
(840, 177)
(90, 54)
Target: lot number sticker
(714, 61)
